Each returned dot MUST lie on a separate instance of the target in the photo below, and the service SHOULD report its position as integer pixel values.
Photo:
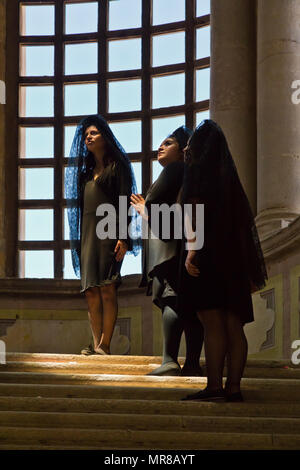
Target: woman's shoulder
(173, 171)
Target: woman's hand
(190, 267)
(138, 202)
(120, 250)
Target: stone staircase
(57, 401)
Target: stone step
(285, 389)
(104, 367)
(121, 439)
(146, 422)
(127, 360)
(150, 407)
(156, 388)
(39, 447)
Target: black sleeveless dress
(98, 263)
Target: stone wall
(2, 132)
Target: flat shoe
(169, 369)
(234, 397)
(191, 372)
(88, 351)
(101, 352)
(206, 395)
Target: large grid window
(142, 64)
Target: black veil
(118, 179)
(211, 178)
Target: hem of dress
(104, 283)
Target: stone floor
(50, 401)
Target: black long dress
(231, 260)
(161, 257)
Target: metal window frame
(102, 77)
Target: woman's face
(169, 151)
(94, 140)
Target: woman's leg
(95, 313)
(194, 335)
(215, 341)
(172, 328)
(172, 331)
(110, 313)
(236, 354)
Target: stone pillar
(233, 83)
(278, 119)
(2, 133)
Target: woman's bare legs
(236, 353)
(95, 310)
(110, 313)
(215, 342)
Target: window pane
(36, 101)
(36, 142)
(124, 14)
(68, 139)
(168, 49)
(168, 90)
(81, 18)
(81, 58)
(68, 267)
(202, 115)
(124, 54)
(38, 264)
(137, 169)
(203, 42)
(203, 7)
(66, 225)
(124, 95)
(37, 20)
(36, 183)
(162, 127)
(202, 84)
(167, 12)
(80, 99)
(129, 134)
(36, 224)
(156, 170)
(36, 60)
(132, 265)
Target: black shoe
(206, 395)
(168, 369)
(234, 397)
(191, 371)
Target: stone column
(2, 133)
(278, 118)
(233, 83)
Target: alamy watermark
(296, 94)
(2, 352)
(161, 226)
(295, 359)
(2, 92)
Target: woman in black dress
(230, 265)
(161, 260)
(99, 171)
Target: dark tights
(173, 326)
(224, 337)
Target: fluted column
(233, 83)
(278, 118)
(2, 133)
